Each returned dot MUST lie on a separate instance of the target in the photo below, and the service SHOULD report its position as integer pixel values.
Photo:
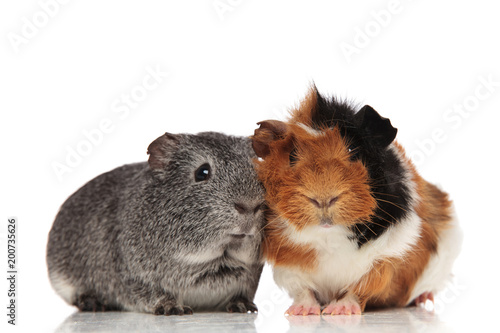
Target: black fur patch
(369, 137)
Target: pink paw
(303, 310)
(346, 306)
(424, 298)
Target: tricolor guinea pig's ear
(269, 131)
(374, 126)
(160, 151)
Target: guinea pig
(351, 224)
(182, 231)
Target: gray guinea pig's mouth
(239, 236)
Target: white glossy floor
(398, 320)
(464, 306)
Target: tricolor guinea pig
(351, 224)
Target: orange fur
(280, 251)
(302, 114)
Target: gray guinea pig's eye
(202, 173)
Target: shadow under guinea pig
(140, 322)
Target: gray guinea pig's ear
(160, 151)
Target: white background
(229, 67)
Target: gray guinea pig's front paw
(241, 305)
(178, 310)
(93, 303)
(168, 306)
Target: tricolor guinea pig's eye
(202, 173)
(293, 157)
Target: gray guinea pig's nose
(244, 208)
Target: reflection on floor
(396, 320)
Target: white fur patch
(310, 130)
(438, 270)
(242, 250)
(341, 263)
(200, 257)
(63, 287)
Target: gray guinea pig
(180, 232)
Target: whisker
(380, 217)
(380, 225)
(391, 195)
(385, 184)
(387, 214)
(361, 232)
(392, 203)
(268, 223)
(366, 225)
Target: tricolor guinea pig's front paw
(303, 310)
(423, 298)
(345, 306)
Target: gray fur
(149, 238)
